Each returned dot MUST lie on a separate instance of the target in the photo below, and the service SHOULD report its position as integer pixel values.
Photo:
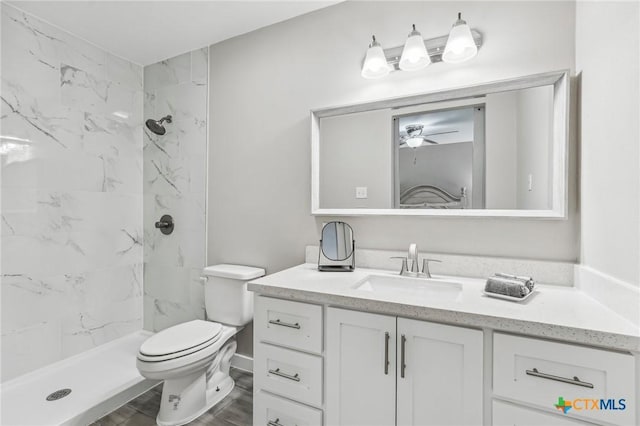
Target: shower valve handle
(165, 224)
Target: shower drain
(58, 394)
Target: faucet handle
(425, 266)
(404, 268)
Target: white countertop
(556, 312)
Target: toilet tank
(226, 297)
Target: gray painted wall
(610, 131)
(447, 166)
(501, 150)
(366, 138)
(260, 182)
(534, 146)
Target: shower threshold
(77, 390)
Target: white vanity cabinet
(442, 379)
(315, 364)
(506, 414)
(598, 385)
(361, 368)
(288, 363)
(383, 370)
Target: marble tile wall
(175, 167)
(71, 192)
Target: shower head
(156, 125)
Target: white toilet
(193, 358)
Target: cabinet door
(441, 381)
(360, 363)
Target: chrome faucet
(413, 256)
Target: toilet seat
(185, 354)
(180, 340)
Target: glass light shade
(414, 54)
(460, 44)
(414, 142)
(375, 63)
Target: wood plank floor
(235, 410)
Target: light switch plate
(361, 192)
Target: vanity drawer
(539, 372)
(293, 324)
(271, 410)
(293, 374)
(506, 414)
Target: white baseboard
(242, 362)
(619, 296)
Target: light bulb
(460, 44)
(375, 63)
(414, 54)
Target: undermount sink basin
(432, 288)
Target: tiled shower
(82, 186)
(175, 172)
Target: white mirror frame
(560, 82)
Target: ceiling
(146, 32)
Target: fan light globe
(414, 142)
(375, 63)
(460, 45)
(414, 54)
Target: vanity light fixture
(460, 45)
(375, 64)
(414, 54)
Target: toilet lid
(181, 337)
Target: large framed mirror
(491, 150)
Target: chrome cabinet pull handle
(285, 324)
(277, 372)
(275, 422)
(386, 352)
(403, 340)
(575, 381)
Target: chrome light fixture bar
(459, 46)
(435, 49)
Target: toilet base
(186, 398)
(213, 397)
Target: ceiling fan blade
(442, 133)
(432, 142)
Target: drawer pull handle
(275, 422)
(575, 381)
(277, 372)
(285, 324)
(386, 352)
